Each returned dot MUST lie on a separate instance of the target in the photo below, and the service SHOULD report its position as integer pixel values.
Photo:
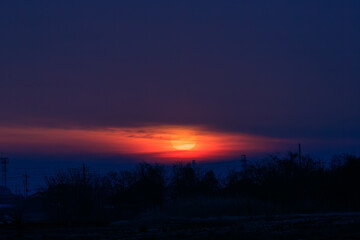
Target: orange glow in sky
(156, 143)
(183, 140)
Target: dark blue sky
(282, 69)
(287, 69)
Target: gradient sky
(266, 69)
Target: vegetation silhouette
(270, 186)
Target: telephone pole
(243, 161)
(26, 189)
(300, 155)
(84, 173)
(3, 161)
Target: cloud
(241, 68)
(149, 142)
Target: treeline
(272, 185)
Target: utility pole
(243, 161)
(300, 163)
(84, 173)
(3, 161)
(26, 189)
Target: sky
(128, 78)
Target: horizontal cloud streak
(143, 143)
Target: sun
(183, 142)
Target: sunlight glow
(164, 143)
(183, 144)
(183, 139)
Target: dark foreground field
(187, 202)
(318, 226)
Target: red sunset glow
(157, 143)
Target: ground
(314, 226)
